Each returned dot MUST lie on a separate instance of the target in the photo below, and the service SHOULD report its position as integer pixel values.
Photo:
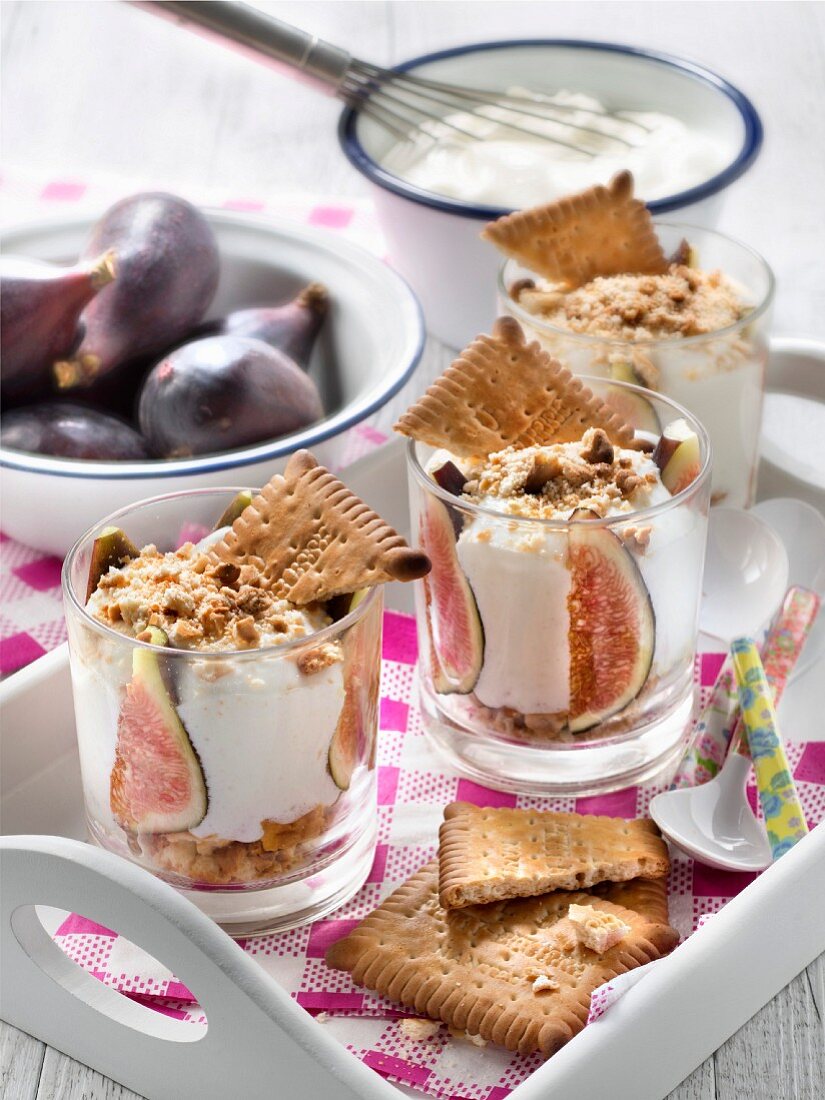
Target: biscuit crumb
(597, 929)
(637, 538)
(545, 982)
(316, 660)
(412, 1028)
(322, 1017)
(246, 633)
(476, 1040)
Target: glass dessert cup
(719, 376)
(282, 745)
(496, 676)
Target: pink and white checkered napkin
(26, 197)
(413, 787)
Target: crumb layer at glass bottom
(296, 900)
(560, 768)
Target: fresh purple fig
(167, 267)
(221, 393)
(291, 328)
(40, 307)
(71, 431)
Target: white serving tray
(259, 1043)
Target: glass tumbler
(262, 804)
(518, 614)
(719, 377)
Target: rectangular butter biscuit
(475, 969)
(490, 854)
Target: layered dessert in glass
(226, 679)
(558, 625)
(679, 310)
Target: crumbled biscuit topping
(552, 482)
(199, 603)
(683, 302)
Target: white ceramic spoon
(714, 822)
(746, 574)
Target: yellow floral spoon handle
(784, 818)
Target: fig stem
(73, 372)
(314, 296)
(103, 270)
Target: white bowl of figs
(163, 348)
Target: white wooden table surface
(102, 90)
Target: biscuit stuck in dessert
(600, 231)
(504, 392)
(311, 538)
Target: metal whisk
(410, 107)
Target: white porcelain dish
(370, 344)
(257, 1034)
(433, 241)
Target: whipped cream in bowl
(485, 161)
(689, 135)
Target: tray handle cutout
(56, 964)
(258, 1040)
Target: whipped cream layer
(521, 583)
(261, 727)
(519, 576)
(261, 730)
(514, 169)
(262, 734)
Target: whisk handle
(261, 37)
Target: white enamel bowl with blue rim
(370, 344)
(434, 241)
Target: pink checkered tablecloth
(413, 786)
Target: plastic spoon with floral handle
(710, 816)
(719, 723)
(780, 654)
(784, 818)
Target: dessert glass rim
(541, 324)
(604, 521)
(268, 652)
